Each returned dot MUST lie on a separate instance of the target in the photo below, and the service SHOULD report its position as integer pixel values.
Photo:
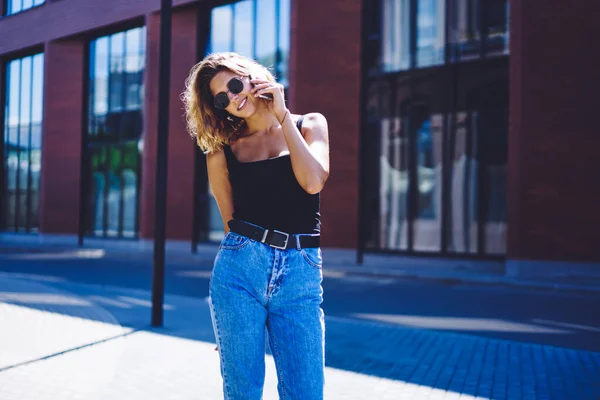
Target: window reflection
(243, 28)
(22, 143)
(395, 35)
(117, 65)
(221, 28)
(393, 188)
(463, 186)
(497, 27)
(430, 32)
(428, 220)
(266, 35)
(465, 37)
(283, 49)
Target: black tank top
(266, 193)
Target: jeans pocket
(234, 241)
(313, 256)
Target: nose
(231, 95)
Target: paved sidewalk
(63, 340)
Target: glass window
(258, 29)
(266, 36)
(243, 28)
(436, 154)
(427, 226)
(221, 28)
(16, 6)
(465, 36)
(431, 38)
(462, 221)
(496, 21)
(22, 143)
(395, 39)
(117, 64)
(394, 179)
(283, 47)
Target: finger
(257, 81)
(266, 90)
(271, 89)
(258, 87)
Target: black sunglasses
(235, 86)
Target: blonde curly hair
(212, 128)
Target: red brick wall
(61, 138)
(180, 170)
(325, 77)
(554, 142)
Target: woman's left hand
(277, 105)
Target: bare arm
(309, 151)
(218, 178)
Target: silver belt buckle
(287, 237)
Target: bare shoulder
(216, 159)
(313, 123)
(314, 120)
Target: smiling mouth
(242, 104)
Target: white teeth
(243, 103)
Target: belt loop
(298, 242)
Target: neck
(261, 120)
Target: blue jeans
(254, 285)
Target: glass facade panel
(283, 43)
(22, 144)
(393, 186)
(435, 150)
(465, 35)
(496, 25)
(266, 34)
(258, 29)
(431, 37)
(221, 29)
(17, 6)
(395, 31)
(428, 219)
(243, 28)
(462, 221)
(114, 138)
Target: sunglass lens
(221, 101)
(235, 85)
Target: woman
(266, 168)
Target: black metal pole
(164, 76)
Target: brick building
(433, 148)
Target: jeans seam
(236, 247)
(220, 348)
(277, 362)
(308, 260)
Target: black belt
(272, 237)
